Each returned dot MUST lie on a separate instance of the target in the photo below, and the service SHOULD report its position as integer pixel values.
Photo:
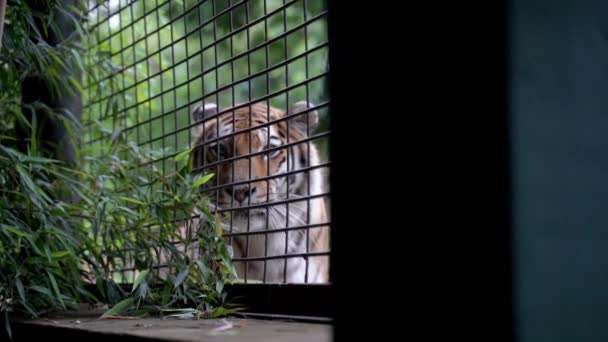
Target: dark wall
(559, 103)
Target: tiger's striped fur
(229, 156)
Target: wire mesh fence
(242, 86)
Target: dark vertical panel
(559, 126)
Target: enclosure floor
(223, 329)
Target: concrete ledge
(157, 329)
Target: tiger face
(249, 148)
(268, 174)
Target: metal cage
(243, 84)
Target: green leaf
(180, 277)
(183, 154)
(222, 311)
(47, 251)
(219, 228)
(59, 254)
(185, 313)
(58, 60)
(117, 133)
(119, 307)
(20, 289)
(202, 180)
(140, 277)
(14, 230)
(56, 288)
(132, 200)
(2, 136)
(219, 286)
(27, 180)
(30, 239)
(7, 325)
(40, 260)
(204, 269)
(75, 83)
(31, 159)
(165, 294)
(77, 57)
(143, 311)
(144, 289)
(42, 290)
(30, 309)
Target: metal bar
(233, 120)
(285, 256)
(314, 137)
(308, 134)
(249, 173)
(137, 136)
(265, 178)
(289, 149)
(263, 205)
(279, 230)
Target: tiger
(244, 180)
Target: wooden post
(53, 134)
(2, 11)
(54, 139)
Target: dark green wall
(559, 113)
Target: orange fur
(254, 175)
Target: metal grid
(242, 83)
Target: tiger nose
(240, 194)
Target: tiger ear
(300, 121)
(201, 112)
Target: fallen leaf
(118, 317)
(227, 325)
